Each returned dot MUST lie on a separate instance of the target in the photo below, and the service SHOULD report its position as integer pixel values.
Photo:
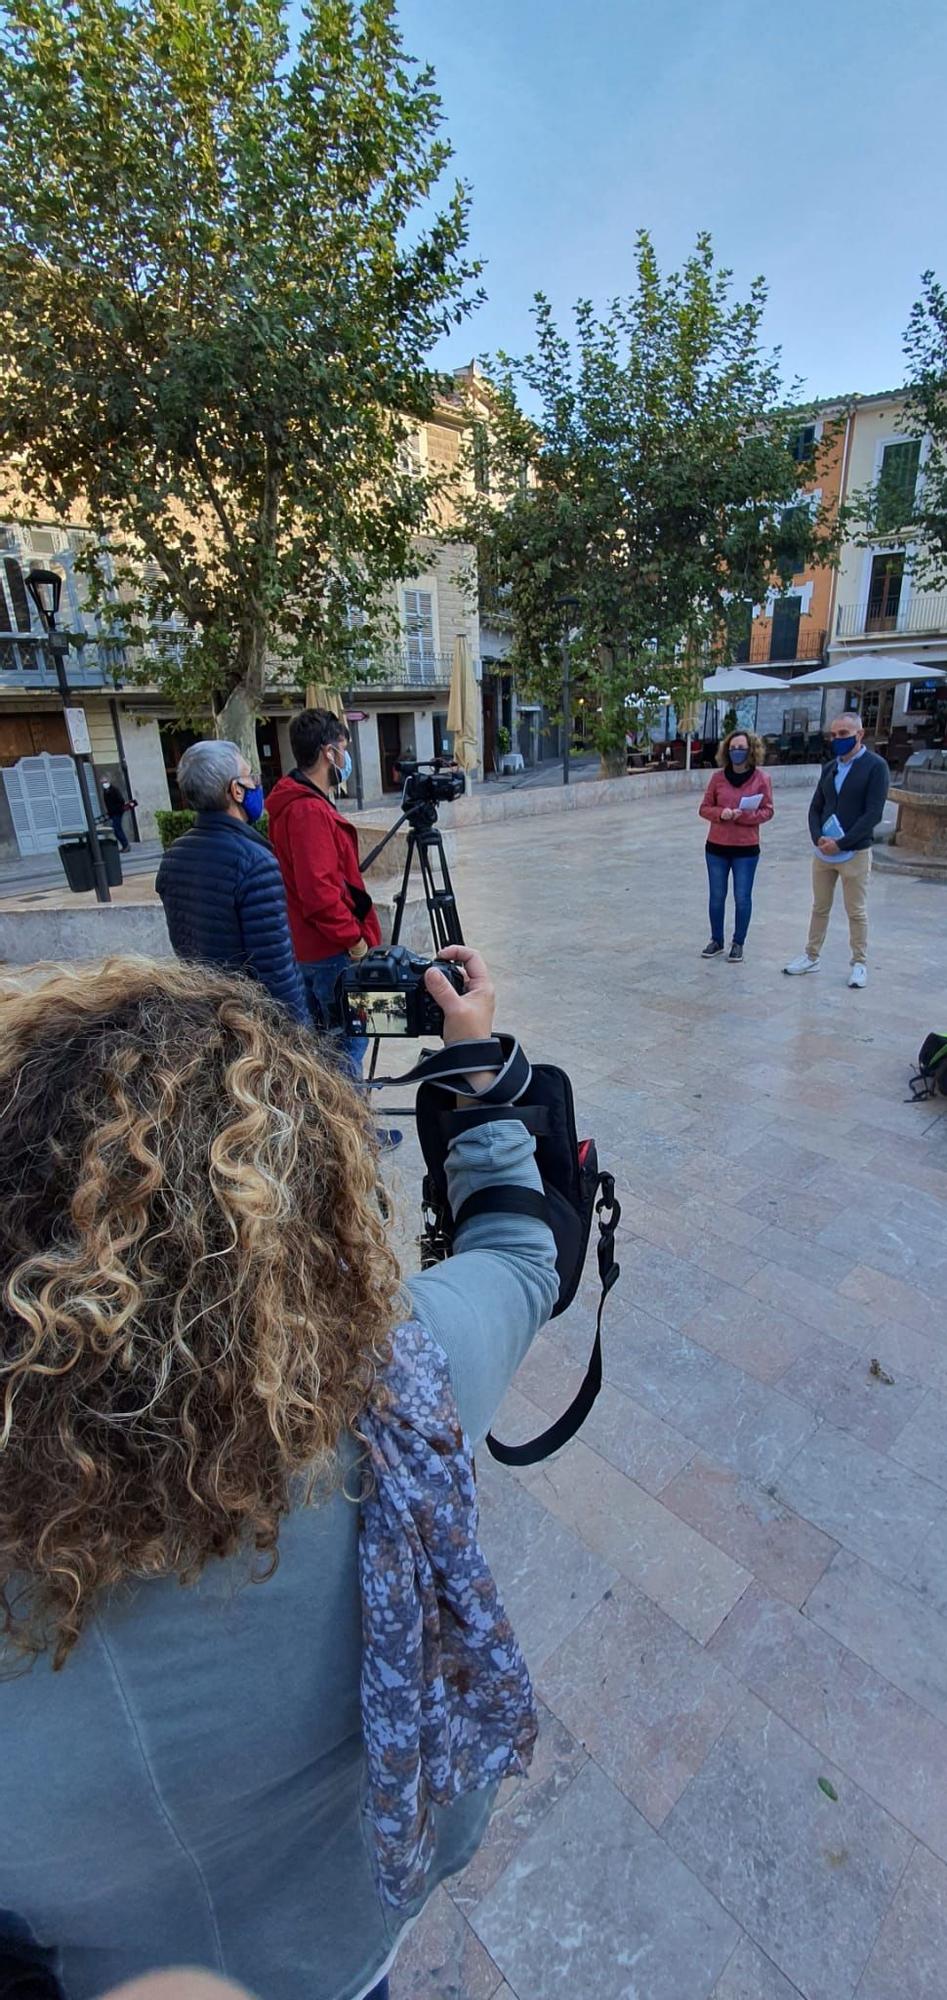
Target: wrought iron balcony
(925, 613)
(766, 648)
(25, 662)
(399, 667)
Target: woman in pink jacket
(738, 799)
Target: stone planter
(922, 821)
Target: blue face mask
(344, 770)
(738, 756)
(843, 744)
(252, 802)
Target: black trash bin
(75, 853)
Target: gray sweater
(187, 1789)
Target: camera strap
(576, 1194)
(450, 1067)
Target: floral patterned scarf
(447, 1706)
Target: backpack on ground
(930, 1077)
(577, 1192)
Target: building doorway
(390, 750)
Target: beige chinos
(855, 875)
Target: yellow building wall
(873, 425)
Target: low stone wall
(482, 807)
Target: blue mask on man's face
(344, 770)
(252, 802)
(842, 745)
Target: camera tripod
(426, 847)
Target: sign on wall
(78, 731)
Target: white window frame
(415, 591)
(905, 549)
(801, 590)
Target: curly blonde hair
(755, 744)
(197, 1287)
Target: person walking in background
(220, 883)
(116, 806)
(331, 916)
(737, 802)
(845, 809)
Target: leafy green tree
(643, 488)
(217, 297)
(903, 503)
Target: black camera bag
(576, 1191)
(930, 1077)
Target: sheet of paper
(753, 803)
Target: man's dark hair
(311, 731)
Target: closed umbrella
(462, 708)
(318, 695)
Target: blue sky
(809, 139)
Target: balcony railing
(25, 662)
(401, 668)
(760, 651)
(926, 613)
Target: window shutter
(897, 482)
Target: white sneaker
(858, 975)
(802, 964)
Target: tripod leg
(441, 901)
(396, 928)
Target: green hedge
(171, 825)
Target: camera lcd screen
(381, 1013)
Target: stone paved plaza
(732, 1592)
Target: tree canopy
(643, 486)
(221, 275)
(904, 504)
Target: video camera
(432, 782)
(384, 993)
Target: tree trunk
(236, 722)
(613, 763)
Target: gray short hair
(206, 772)
(849, 715)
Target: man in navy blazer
(220, 883)
(844, 811)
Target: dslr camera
(384, 993)
(433, 783)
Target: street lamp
(45, 588)
(566, 604)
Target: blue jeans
(320, 979)
(119, 830)
(718, 876)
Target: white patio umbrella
(870, 670)
(741, 680)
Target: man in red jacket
(331, 917)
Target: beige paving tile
(809, 1876)
(642, 1696)
(894, 1749)
(869, 1503)
(595, 1902)
(782, 1551)
(694, 1582)
(441, 1956)
(885, 1298)
(911, 1950)
(889, 1625)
